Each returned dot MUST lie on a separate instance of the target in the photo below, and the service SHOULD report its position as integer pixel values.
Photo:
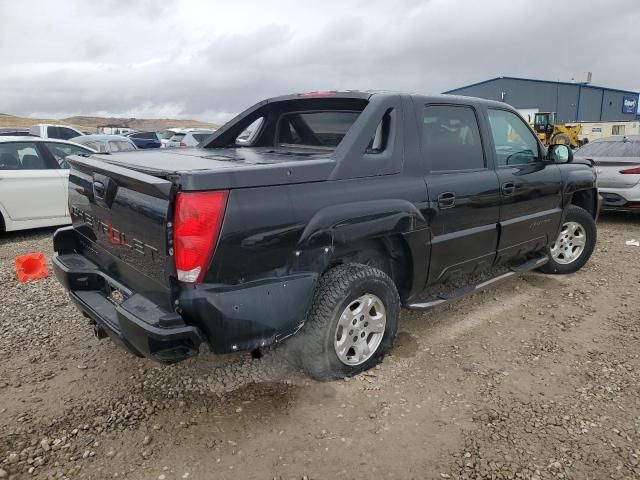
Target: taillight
(196, 226)
(182, 144)
(631, 171)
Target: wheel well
(390, 254)
(2, 225)
(585, 199)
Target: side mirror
(560, 154)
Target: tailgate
(120, 217)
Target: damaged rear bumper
(228, 318)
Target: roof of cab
(367, 94)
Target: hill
(92, 123)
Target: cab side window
(514, 143)
(451, 138)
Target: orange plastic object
(31, 266)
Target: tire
(348, 286)
(563, 255)
(561, 139)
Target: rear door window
(52, 132)
(21, 156)
(451, 138)
(315, 129)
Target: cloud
(209, 60)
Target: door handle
(447, 200)
(508, 188)
(98, 188)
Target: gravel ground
(535, 378)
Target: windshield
(316, 129)
(611, 148)
(541, 119)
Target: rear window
(177, 137)
(617, 148)
(315, 129)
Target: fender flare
(344, 224)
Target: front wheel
(574, 244)
(352, 321)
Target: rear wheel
(352, 322)
(574, 244)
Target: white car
(33, 181)
(190, 138)
(106, 143)
(165, 135)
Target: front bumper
(136, 323)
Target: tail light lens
(631, 171)
(197, 221)
(182, 144)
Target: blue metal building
(572, 102)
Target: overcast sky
(210, 59)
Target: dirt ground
(538, 377)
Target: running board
(469, 289)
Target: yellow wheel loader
(550, 133)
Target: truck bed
(204, 169)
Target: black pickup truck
(318, 216)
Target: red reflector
(631, 171)
(317, 94)
(197, 221)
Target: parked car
(33, 181)
(106, 143)
(337, 209)
(165, 135)
(14, 132)
(617, 161)
(190, 138)
(62, 132)
(144, 140)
